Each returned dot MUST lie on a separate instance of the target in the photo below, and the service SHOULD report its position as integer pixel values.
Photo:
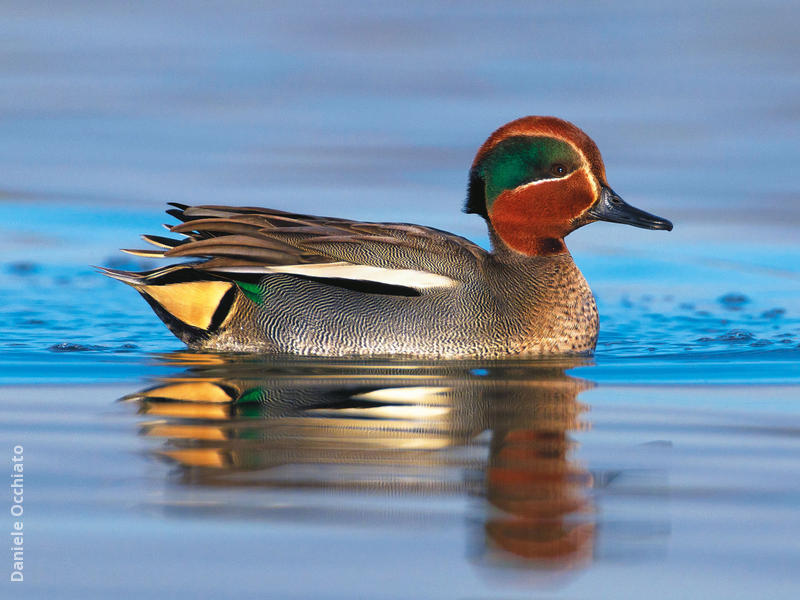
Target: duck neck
(531, 246)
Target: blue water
(664, 466)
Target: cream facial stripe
(585, 169)
(586, 165)
(540, 181)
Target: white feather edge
(419, 280)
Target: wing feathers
(259, 240)
(162, 242)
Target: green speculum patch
(521, 160)
(251, 290)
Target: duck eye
(558, 170)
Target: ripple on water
(71, 347)
(734, 301)
(663, 326)
(22, 268)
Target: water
(664, 466)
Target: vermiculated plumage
(485, 304)
(272, 281)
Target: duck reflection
(499, 432)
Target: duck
(263, 280)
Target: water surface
(664, 466)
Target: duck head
(537, 179)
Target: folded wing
(238, 242)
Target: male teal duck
(270, 281)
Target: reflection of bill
(399, 428)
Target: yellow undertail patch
(194, 302)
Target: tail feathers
(180, 273)
(161, 241)
(128, 277)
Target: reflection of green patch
(250, 433)
(251, 395)
(251, 290)
(248, 411)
